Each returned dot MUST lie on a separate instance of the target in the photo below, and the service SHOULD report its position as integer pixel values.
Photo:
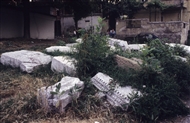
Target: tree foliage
(81, 9)
(158, 4)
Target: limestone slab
(127, 64)
(72, 44)
(136, 47)
(102, 81)
(26, 60)
(120, 96)
(79, 40)
(116, 95)
(121, 43)
(58, 48)
(63, 64)
(70, 88)
(186, 48)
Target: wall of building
(41, 26)
(11, 23)
(175, 14)
(68, 24)
(90, 21)
(173, 31)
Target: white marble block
(72, 44)
(79, 40)
(136, 47)
(64, 49)
(121, 43)
(70, 88)
(121, 96)
(116, 95)
(101, 81)
(64, 64)
(186, 48)
(26, 60)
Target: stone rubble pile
(59, 95)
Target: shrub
(162, 80)
(92, 53)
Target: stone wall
(172, 31)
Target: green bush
(92, 53)
(162, 80)
(61, 43)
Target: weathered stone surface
(26, 60)
(59, 48)
(136, 47)
(112, 47)
(171, 31)
(120, 96)
(116, 95)
(102, 81)
(71, 44)
(62, 64)
(70, 88)
(79, 40)
(121, 43)
(186, 48)
(181, 58)
(128, 63)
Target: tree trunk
(76, 24)
(112, 22)
(26, 19)
(155, 14)
(150, 15)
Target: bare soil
(23, 44)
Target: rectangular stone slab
(25, 59)
(101, 81)
(64, 64)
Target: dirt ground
(21, 44)
(14, 84)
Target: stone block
(101, 81)
(116, 95)
(121, 43)
(58, 96)
(64, 64)
(136, 47)
(71, 44)
(127, 64)
(28, 61)
(79, 40)
(59, 48)
(120, 96)
(180, 58)
(186, 48)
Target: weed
(61, 43)
(91, 53)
